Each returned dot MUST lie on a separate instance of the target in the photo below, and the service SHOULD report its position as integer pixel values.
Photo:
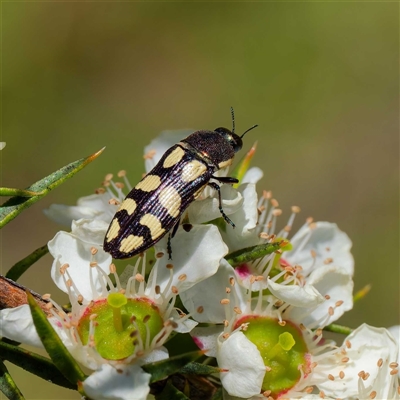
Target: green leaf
(195, 368)
(162, 369)
(218, 394)
(14, 206)
(34, 363)
(7, 384)
(53, 344)
(20, 267)
(18, 192)
(252, 253)
(171, 392)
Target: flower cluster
(262, 318)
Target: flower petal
(336, 285)
(206, 338)
(207, 209)
(368, 346)
(245, 218)
(17, 324)
(121, 383)
(206, 296)
(196, 258)
(95, 206)
(299, 296)
(75, 249)
(253, 175)
(243, 365)
(326, 241)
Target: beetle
(155, 205)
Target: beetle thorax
(212, 147)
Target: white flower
(81, 269)
(363, 367)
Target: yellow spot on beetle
(192, 170)
(130, 243)
(225, 164)
(154, 224)
(174, 158)
(149, 183)
(171, 200)
(113, 230)
(197, 193)
(129, 205)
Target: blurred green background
(321, 80)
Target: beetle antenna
(254, 126)
(233, 120)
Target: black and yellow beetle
(154, 206)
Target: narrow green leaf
(7, 384)
(14, 206)
(344, 330)
(20, 267)
(162, 369)
(53, 344)
(18, 192)
(171, 392)
(35, 364)
(217, 394)
(252, 253)
(195, 368)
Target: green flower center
(121, 324)
(282, 348)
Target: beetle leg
(170, 236)
(225, 179)
(218, 189)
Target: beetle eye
(234, 140)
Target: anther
(232, 281)
(345, 359)
(313, 253)
(114, 202)
(108, 177)
(93, 251)
(182, 277)
(264, 235)
(341, 374)
(328, 260)
(392, 364)
(139, 277)
(121, 173)
(146, 318)
(63, 268)
(331, 377)
(113, 268)
(150, 154)
(348, 344)
(296, 209)
(331, 311)
(93, 264)
(225, 301)
(227, 290)
(174, 290)
(200, 309)
(274, 203)
(100, 191)
(119, 185)
(159, 254)
(372, 395)
(339, 303)
(157, 289)
(46, 296)
(277, 212)
(237, 310)
(225, 335)
(394, 372)
(322, 394)
(80, 299)
(169, 266)
(327, 297)
(309, 220)
(309, 389)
